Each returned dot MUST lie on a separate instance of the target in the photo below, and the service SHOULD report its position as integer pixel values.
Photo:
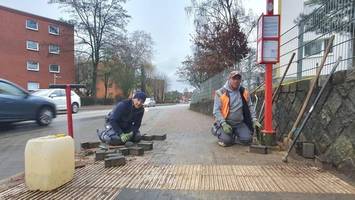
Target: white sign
(271, 26)
(270, 49)
(268, 39)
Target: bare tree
(220, 40)
(142, 52)
(95, 22)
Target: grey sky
(165, 20)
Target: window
(58, 93)
(54, 49)
(32, 65)
(32, 45)
(32, 24)
(54, 68)
(8, 89)
(313, 48)
(32, 86)
(54, 30)
(316, 47)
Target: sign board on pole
(268, 42)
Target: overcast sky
(165, 20)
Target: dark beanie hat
(140, 96)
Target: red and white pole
(268, 129)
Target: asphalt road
(13, 139)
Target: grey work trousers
(241, 131)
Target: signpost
(68, 88)
(268, 53)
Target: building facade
(306, 30)
(35, 51)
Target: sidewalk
(96, 107)
(190, 165)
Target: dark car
(16, 104)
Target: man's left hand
(126, 136)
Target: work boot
(98, 132)
(220, 143)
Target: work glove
(226, 128)
(126, 136)
(256, 124)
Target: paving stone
(100, 155)
(115, 147)
(113, 155)
(89, 145)
(147, 146)
(147, 137)
(308, 150)
(136, 151)
(124, 151)
(159, 137)
(258, 149)
(129, 144)
(111, 151)
(115, 161)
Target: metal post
(300, 50)
(268, 100)
(268, 130)
(69, 111)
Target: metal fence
(251, 72)
(310, 35)
(308, 39)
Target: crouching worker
(124, 121)
(234, 113)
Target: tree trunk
(143, 79)
(106, 85)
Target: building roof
(35, 16)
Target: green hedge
(87, 101)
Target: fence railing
(308, 39)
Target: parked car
(16, 104)
(59, 98)
(149, 102)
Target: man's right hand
(227, 128)
(126, 136)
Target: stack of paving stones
(114, 156)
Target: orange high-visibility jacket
(224, 98)
(223, 95)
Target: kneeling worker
(234, 113)
(125, 121)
